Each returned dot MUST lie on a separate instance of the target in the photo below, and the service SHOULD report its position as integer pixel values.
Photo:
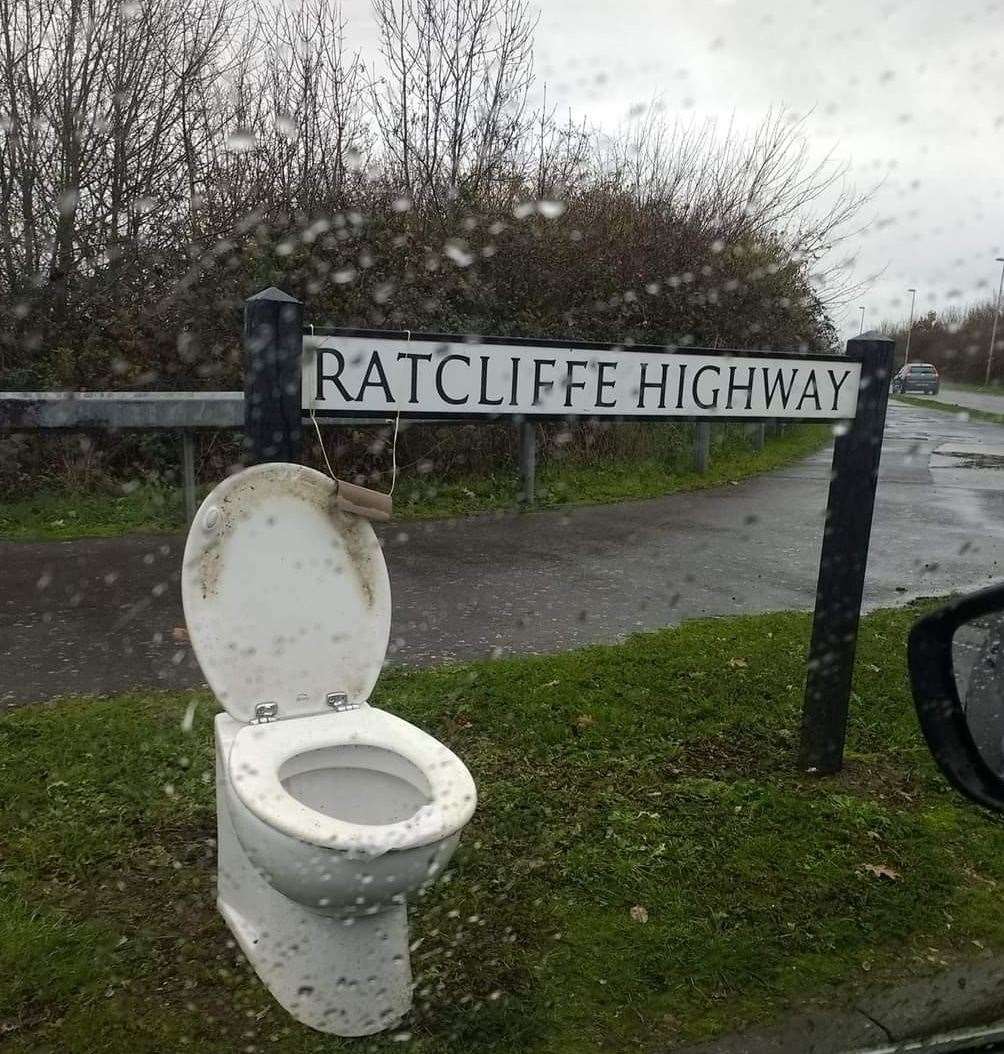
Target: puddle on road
(969, 456)
(980, 460)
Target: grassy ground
(609, 480)
(61, 515)
(645, 865)
(952, 408)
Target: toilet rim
(259, 752)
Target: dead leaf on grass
(639, 914)
(880, 871)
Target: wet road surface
(104, 615)
(963, 397)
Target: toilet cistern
(330, 812)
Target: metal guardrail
(184, 412)
(188, 412)
(27, 411)
(138, 411)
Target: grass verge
(994, 388)
(645, 866)
(52, 515)
(609, 480)
(61, 515)
(952, 408)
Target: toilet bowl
(330, 812)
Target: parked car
(917, 377)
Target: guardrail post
(273, 348)
(702, 446)
(188, 473)
(842, 562)
(528, 460)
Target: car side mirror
(956, 660)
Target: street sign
(349, 374)
(353, 373)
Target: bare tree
(93, 94)
(559, 155)
(763, 188)
(142, 144)
(297, 128)
(451, 106)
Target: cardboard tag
(361, 501)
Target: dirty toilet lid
(286, 598)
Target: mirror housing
(939, 709)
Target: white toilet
(330, 811)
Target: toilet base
(335, 978)
(346, 977)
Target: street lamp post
(997, 311)
(862, 329)
(909, 328)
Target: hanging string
(317, 427)
(393, 448)
(320, 443)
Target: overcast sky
(910, 94)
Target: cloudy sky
(910, 94)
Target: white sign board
(358, 375)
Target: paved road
(101, 615)
(963, 397)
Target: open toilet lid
(286, 597)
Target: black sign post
(843, 559)
(273, 349)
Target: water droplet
(240, 141)
(68, 202)
(285, 126)
(460, 256)
(551, 210)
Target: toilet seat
(286, 596)
(259, 751)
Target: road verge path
(104, 615)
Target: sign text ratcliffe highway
(428, 376)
